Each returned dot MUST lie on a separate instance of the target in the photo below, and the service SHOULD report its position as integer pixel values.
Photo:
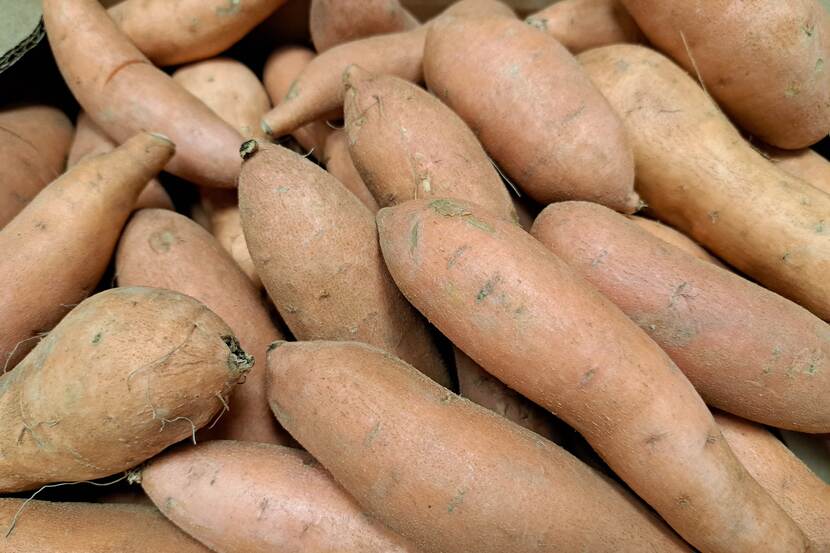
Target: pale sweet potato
(338, 162)
(805, 164)
(334, 22)
(583, 24)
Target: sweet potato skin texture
(289, 207)
(804, 164)
(580, 25)
(46, 527)
(130, 371)
(804, 496)
(34, 140)
(170, 33)
(384, 456)
(699, 175)
(675, 238)
(338, 162)
(334, 22)
(530, 321)
(283, 500)
(124, 93)
(407, 144)
(781, 93)
(162, 249)
(58, 247)
(541, 119)
(747, 350)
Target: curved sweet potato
(124, 93)
(699, 175)
(338, 162)
(291, 207)
(57, 248)
(279, 499)
(334, 22)
(747, 350)
(376, 424)
(34, 141)
(762, 61)
(534, 110)
(531, 322)
(125, 374)
(170, 33)
(584, 24)
(163, 249)
(675, 238)
(804, 164)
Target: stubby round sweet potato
(275, 499)
(170, 33)
(90, 140)
(448, 474)
(334, 22)
(34, 141)
(125, 374)
(699, 175)
(124, 93)
(797, 489)
(533, 323)
(56, 250)
(747, 350)
(163, 249)
(804, 164)
(407, 144)
(583, 24)
(45, 527)
(534, 110)
(338, 162)
(764, 62)
(675, 238)
(315, 248)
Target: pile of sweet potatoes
(324, 277)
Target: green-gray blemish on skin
(96, 338)
(456, 501)
(448, 208)
(819, 65)
(413, 237)
(486, 290)
(479, 224)
(232, 8)
(293, 91)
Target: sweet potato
(699, 175)
(480, 8)
(318, 90)
(90, 140)
(407, 144)
(226, 226)
(762, 62)
(747, 350)
(334, 22)
(281, 69)
(34, 140)
(536, 113)
(163, 249)
(442, 471)
(56, 250)
(533, 323)
(170, 33)
(804, 164)
(125, 374)
(45, 527)
(799, 492)
(338, 162)
(290, 208)
(675, 238)
(124, 93)
(583, 24)
(279, 499)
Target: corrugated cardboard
(21, 28)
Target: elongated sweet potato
(699, 175)
(376, 424)
(290, 208)
(125, 374)
(675, 238)
(279, 499)
(804, 164)
(334, 22)
(480, 8)
(762, 61)
(170, 33)
(747, 350)
(583, 24)
(799, 492)
(318, 90)
(163, 249)
(338, 162)
(56, 250)
(281, 70)
(531, 322)
(124, 93)
(34, 140)
(45, 527)
(90, 140)
(407, 144)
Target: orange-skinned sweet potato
(675, 238)
(334, 22)
(583, 24)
